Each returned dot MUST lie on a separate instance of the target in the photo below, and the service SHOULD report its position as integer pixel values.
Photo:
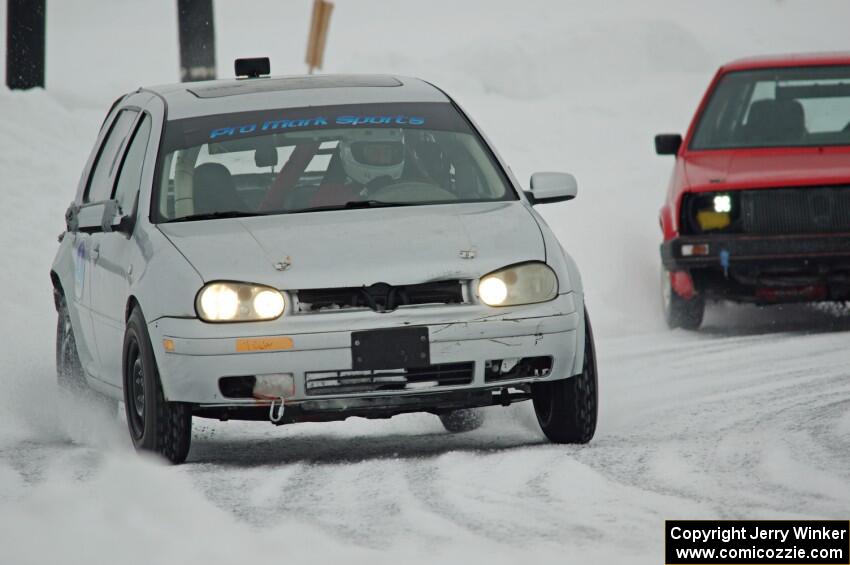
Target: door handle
(95, 252)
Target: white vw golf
(309, 249)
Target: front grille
(774, 211)
(346, 382)
(795, 210)
(380, 297)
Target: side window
(99, 186)
(130, 176)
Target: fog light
(708, 220)
(275, 385)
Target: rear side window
(130, 176)
(99, 186)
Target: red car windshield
(782, 107)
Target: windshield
(777, 107)
(323, 158)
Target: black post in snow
(25, 43)
(197, 40)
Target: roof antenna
(252, 67)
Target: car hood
(404, 245)
(766, 168)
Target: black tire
(678, 312)
(567, 409)
(69, 369)
(463, 420)
(155, 425)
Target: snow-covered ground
(750, 418)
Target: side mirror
(668, 143)
(123, 224)
(71, 218)
(98, 217)
(113, 219)
(552, 187)
(88, 218)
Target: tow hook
(276, 415)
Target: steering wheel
(412, 191)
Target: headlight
(521, 284)
(712, 211)
(722, 203)
(238, 302)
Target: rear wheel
(155, 424)
(69, 370)
(567, 409)
(464, 420)
(679, 312)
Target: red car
(758, 207)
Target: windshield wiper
(237, 214)
(215, 216)
(353, 204)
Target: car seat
(214, 190)
(775, 121)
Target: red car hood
(766, 168)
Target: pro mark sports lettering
(317, 122)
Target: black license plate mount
(392, 348)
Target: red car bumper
(763, 269)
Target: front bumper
(201, 353)
(728, 250)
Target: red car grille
(795, 210)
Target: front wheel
(567, 409)
(155, 424)
(679, 312)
